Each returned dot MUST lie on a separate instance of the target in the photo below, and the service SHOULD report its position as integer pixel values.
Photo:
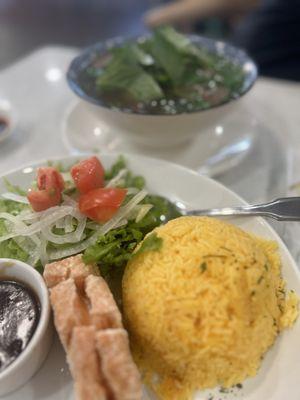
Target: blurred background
(267, 29)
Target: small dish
(31, 358)
(8, 119)
(157, 130)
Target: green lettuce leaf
(177, 55)
(114, 249)
(125, 74)
(9, 248)
(151, 243)
(129, 179)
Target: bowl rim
(79, 63)
(45, 313)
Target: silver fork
(283, 209)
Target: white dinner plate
(278, 377)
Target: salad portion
(85, 209)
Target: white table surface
(273, 98)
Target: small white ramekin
(31, 358)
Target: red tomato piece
(49, 178)
(41, 200)
(101, 204)
(88, 174)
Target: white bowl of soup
(162, 89)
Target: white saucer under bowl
(212, 152)
(240, 147)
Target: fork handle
(283, 209)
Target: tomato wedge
(50, 184)
(101, 204)
(88, 174)
(41, 200)
(49, 178)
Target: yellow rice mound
(204, 309)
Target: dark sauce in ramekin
(19, 317)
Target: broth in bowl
(165, 73)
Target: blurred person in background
(267, 29)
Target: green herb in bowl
(166, 66)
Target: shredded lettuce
(9, 248)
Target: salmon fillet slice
(119, 371)
(69, 309)
(84, 365)
(72, 267)
(104, 312)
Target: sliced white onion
(48, 220)
(105, 228)
(139, 212)
(60, 224)
(15, 220)
(94, 226)
(123, 212)
(132, 190)
(58, 254)
(25, 244)
(21, 229)
(71, 250)
(14, 223)
(68, 226)
(72, 237)
(15, 197)
(29, 216)
(66, 176)
(68, 201)
(116, 180)
(43, 252)
(144, 209)
(34, 256)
